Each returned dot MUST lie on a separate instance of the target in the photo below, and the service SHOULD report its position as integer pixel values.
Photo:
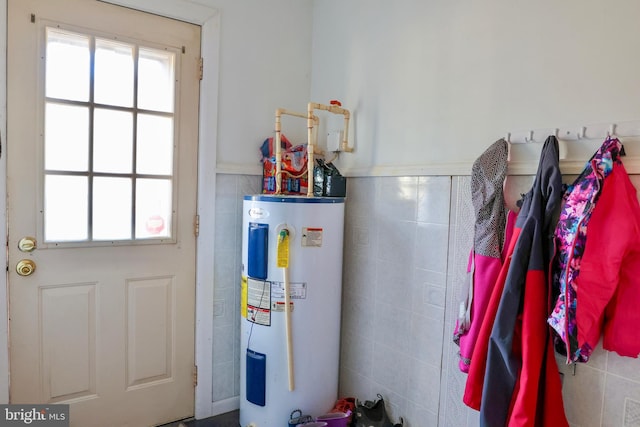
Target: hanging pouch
(373, 414)
(256, 377)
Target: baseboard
(224, 406)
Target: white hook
(529, 138)
(612, 130)
(507, 137)
(582, 132)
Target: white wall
(433, 83)
(265, 63)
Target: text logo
(34, 415)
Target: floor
(230, 419)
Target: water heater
(290, 358)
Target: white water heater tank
(271, 385)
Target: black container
(335, 186)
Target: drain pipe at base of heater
(283, 262)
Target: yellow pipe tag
(283, 249)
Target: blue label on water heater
(258, 250)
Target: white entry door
(101, 152)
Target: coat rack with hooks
(576, 144)
(593, 131)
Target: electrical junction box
(334, 140)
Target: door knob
(25, 267)
(27, 244)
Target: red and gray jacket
(513, 376)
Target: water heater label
(297, 290)
(312, 236)
(261, 316)
(259, 302)
(279, 306)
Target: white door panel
(104, 324)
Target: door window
(108, 140)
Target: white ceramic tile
(424, 383)
(418, 297)
(430, 277)
(226, 184)
(360, 205)
(436, 296)
(432, 243)
(473, 418)
(225, 263)
(434, 199)
(226, 231)
(393, 284)
(225, 298)
(392, 326)
(391, 368)
(223, 381)
(362, 237)
(428, 301)
(622, 397)
(425, 294)
(223, 341)
(396, 198)
(359, 215)
(358, 316)
(626, 367)
(359, 277)
(355, 385)
(357, 353)
(218, 308)
(631, 415)
(361, 190)
(418, 416)
(582, 395)
(226, 194)
(248, 184)
(426, 340)
(396, 242)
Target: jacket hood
(487, 181)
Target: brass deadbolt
(27, 244)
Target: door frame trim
(4, 291)
(209, 19)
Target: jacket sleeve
(503, 366)
(622, 316)
(607, 287)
